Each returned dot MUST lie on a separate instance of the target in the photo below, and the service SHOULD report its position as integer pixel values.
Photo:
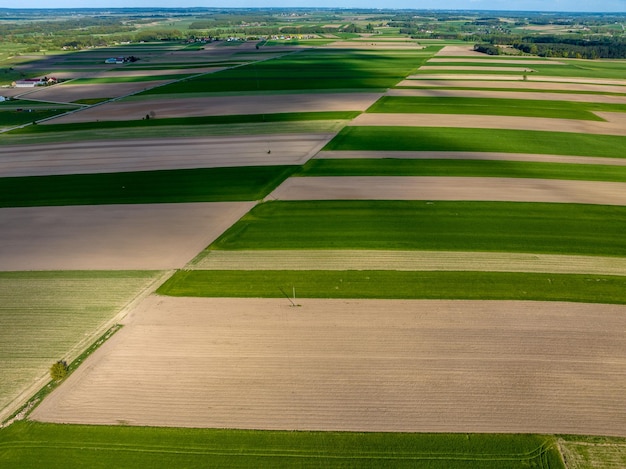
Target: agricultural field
(342, 231)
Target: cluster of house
(32, 82)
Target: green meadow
(307, 70)
(389, 284)
(27, 444)
(482, 140)
(464, 168)
(493, 107)
(165, 186)
(429, 225)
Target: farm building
(32, 82)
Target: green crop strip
(493, 106)
(188, 121)
(467, 168)
(483, 140)
(378, 284)
(426, 225)
(183, 185)
(26, 444)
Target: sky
(616, 6)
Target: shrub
(59, 370)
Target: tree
(59, 370)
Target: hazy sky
(520, 5)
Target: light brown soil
(456, 82)
(153, 154)
(475, 68)
(613, 126)
(67, 93)
(543, 96)
(531, 77)
(422, 366)
(495, 61)
(450, 188)
(111, 237)
(409, 261)
(223, 105)
(469, 155)
(459, 51)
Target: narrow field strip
(101, 156)
(469, 155)
(615, 125)
(422, 366)
(27, 443)
(456, 81)
(534, 78)
(472, 68)
(450, 188)
(223, 105)
(521, 95)
(520, 61)
(334, 259)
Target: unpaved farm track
(427, 366)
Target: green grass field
(465, 168)
(493, 107)
(426, 225)
(45, 316)
(587, 452)
(370, 284)
(307, 70)
(27, 444)
(182, 185)
(483, 140)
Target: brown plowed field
(450, 188)
(223, 105)
(99, 156)
(545, 96)
(457, 81)
(615, 124)
(111, 237)
(409, 261)
(68, 93)
(425, 366)
(459, 51)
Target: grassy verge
(484, 140)
(493, 107)
(423, 225)
(26, 444)
(582, 452)
(371, 284)
(183, 185)
(469, 168)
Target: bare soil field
(613, 126)
(375, 44)
(458, 81)
(111, 237)
(469, 155)
(535, 78)
(100, 156)
(408, 261)
(67, 93)
(426, 366)
(450, 188)
(459, 51)
(223, 105)
(496, 61)
(475, 68)
(542, 96)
